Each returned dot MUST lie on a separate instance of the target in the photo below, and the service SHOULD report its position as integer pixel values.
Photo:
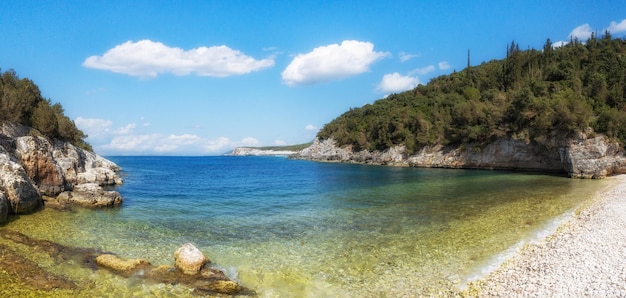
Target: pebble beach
(586, 257)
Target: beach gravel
(585, 258)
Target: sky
(203, 77)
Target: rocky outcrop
(34, 169)
(579, 156)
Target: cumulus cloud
(615, 27)
(444, 65)
(582, 32)
(249, 141)
(396, 82)
(126, 129)
(93, 126)
(146, 58)
(310, 127)
(170, 144)
(130, 140)
(331, 62)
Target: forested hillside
(21, 102)
(531, 95)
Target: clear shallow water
(292, 228)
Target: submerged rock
(223, 286)
(124, 267)
(209, 280)
(189, 259)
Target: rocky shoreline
(37, 171)
(580, 156)
(584, 258)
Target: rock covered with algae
(191, 269)
(123, 266)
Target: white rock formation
(34, 168)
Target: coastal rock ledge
(35, 171)
(579, 156)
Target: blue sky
(202, 77)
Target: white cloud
(128, 128)
(423, 70)
(184, 144)
(396, 83)
(93, 126)
(559, 44)
(331, 62)
(406, 56)
(126, 140)
(615, 27)
(444, 65)
(146, 58)
(582, 32)
(249, 141)
(310, 127)
(219, 145)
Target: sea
(298, 228)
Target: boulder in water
(189, 259)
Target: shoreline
(583, 257)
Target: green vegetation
(21, 102)
(531, 95)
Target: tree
(44, 119)
(21, 102)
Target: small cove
(299, 228)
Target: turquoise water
(293, 228)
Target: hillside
(21, 102)
(531, 95)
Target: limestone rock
(33, 167)
(19, 190)
(120, 265)
(577, 156)
(228, 287)
(593, 158)
(189, 259)
(36, 157)
(90, 195)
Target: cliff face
(579, 157)
(34, 171)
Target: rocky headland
(585, 155)
(36, 171)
